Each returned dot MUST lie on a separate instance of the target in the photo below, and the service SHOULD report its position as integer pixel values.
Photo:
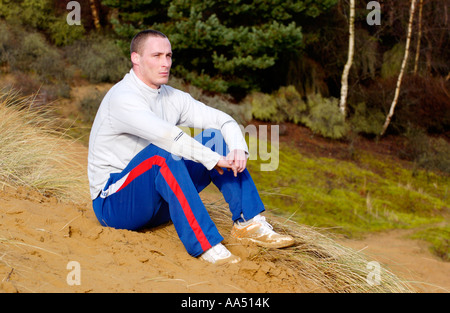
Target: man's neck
(141, 78)
(142, 85)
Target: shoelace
(262, 220)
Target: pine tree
(225, 45)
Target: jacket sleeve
(198, 115)
(132, 115)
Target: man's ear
(135, 58)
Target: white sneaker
(219, 255)
(259, 231)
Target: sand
(49, 246)
(39, 236)
(406, 257)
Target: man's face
(153, 63)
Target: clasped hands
(235, 161)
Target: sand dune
(51, 246)
(39, 237)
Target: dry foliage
(35, 153)
(318, 258)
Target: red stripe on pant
(176, 189)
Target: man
(144, 170)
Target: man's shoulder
(171, 90)
(124, 91)
(174, 93)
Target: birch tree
(402, 69)
(419, 34)
(348, 65)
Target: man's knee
(152, 150)
(213, 139)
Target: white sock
(247, 222)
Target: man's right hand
(223, 163)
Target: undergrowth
(368, 194)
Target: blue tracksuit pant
(157, 186)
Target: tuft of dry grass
(36, 153)
(318, 258)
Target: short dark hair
(139, 39)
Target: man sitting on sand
(144, 171)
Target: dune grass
(370, 193)
(36, 153)
(318, 258)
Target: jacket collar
(143, 86)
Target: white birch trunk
(348, 65)
(402, 69)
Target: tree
(419, 35)
(402, 69)
(41, 16)
(351, 44)
(139, 13)
(225, 45)
(95, 14)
